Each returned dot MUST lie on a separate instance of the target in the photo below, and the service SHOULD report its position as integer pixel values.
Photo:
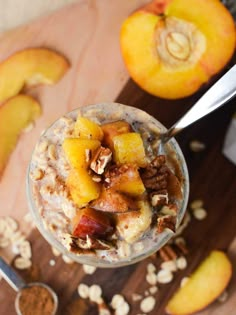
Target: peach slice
(112, 201)
(207, 282)
(172, 47)
(28, 68)
(92, 223)
(15, 115)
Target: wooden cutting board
(87, 33)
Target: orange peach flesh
(139, 47)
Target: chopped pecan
(90, 243)
(159, 198)
(100, 160)
(156, 183)
(170, 209)
(166, 222)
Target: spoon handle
(221, 92)
(15, 281)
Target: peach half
(172, 47)
(207, 282)
(30, 67)
(15, 115)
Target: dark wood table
(212, 179)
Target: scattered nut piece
(22, 263)
(147, 304)
(223, 297)
(83, 290)
(181, 263)
(164, 276)
(100, 160)
(89, 269)
(198, 203)
(184, 281)
(169, 265)
(199, 213)
(151, 278)
(95, 293)
(197, 146)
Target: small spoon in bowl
(220, 93)
(18, 284)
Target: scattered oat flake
(25, 249)
(136, 297)
(4, 242)
(11, 224)
(117, 300)
(83, 290)
(197, 146)
(164, 276)
(55, 252)
(169, 265)
(67, 260)
(123, 309)
(95, 293)
(151, 268)
(151, 278)
(89, 269)
(153, 289)
(199, 213)
(184, 281)
(22, 263)
(52, 262)
(197, 203)
(223, 297)
(181, 263)
(147, 304)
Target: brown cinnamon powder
(36, 300)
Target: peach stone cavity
(179, 44)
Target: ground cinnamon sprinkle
(36, 300)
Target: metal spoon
(220, 93)
(18, 284)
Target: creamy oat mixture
(49, 169)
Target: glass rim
(163, 237)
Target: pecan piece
(90, 243)
(166, 222)
(159, 198)
(100, 160)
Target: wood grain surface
(212, 178)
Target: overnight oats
(98, 190)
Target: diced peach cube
(79, 151)
(82, 188)
(87, 129)
(129, 148)
(110, 130)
